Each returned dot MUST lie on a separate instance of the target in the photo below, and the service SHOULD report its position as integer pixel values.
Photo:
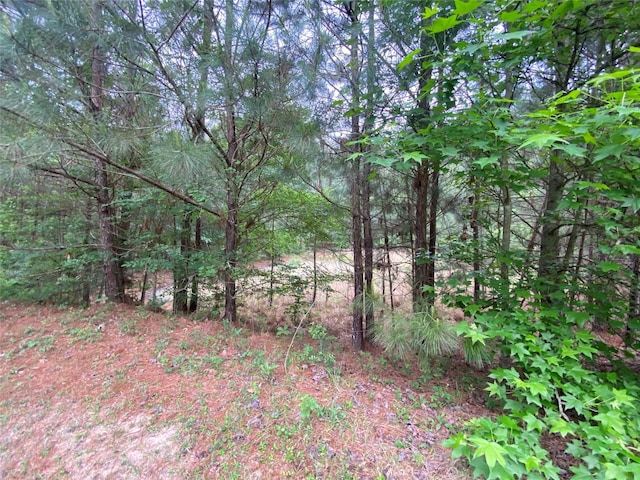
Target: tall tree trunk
(233, 173)
(357, 338)
(366, 176)
(421, 180)
(113, 284)
(358, 266)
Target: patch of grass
(129, 327)
(43, 344)
(89, 334)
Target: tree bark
(357, 338)
(181, 267)
(421, 245)
(113, 284)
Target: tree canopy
(199, 137)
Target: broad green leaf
(537, 388)
(486, 161)
(414, 156)
(462, 7)
(519, 35)
(611, 421)
(533, 6)
(493, 452)
(429, 12)
(621, 397)
(573, 403)
(541, 140)
(531, 463)
(606, 267)
(561, 426)
(533, 422)
(633, 203)
(408, 59)
(573, 150)
(510, 16)
(596, 186)
(443, 24)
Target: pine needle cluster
(423, 333)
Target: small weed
(44, 344)
(89, 334)
(440, 397)
(309, 406)
(265, 367)
(283, 331)
(129, 327)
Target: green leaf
(607, 151)
(606, 267)
(462, 7)
(573, 403)
(510, 16)
(621, 397)
(519, 35)
(561, 426)
(534, 423)
(532, 463)
(429, 12)
(493, 452)
(573, 150)
(541, 140)
(414, 156)
(450, 151)
(486, 161)
(408, 59)
(443, 24)
(633, 203)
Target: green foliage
(423, 333)
(549, 391)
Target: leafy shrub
(548, 391)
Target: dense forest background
(499, 138)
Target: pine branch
(93, 154)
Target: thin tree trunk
(358, 267)
(387, 250)
(181, 267)
(430, 294)
(193, 301)
(230, 250)
(507, 215)
(421, 268)
(315, 270)
(475, 232)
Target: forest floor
(119, 392)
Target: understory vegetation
(418, 182)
